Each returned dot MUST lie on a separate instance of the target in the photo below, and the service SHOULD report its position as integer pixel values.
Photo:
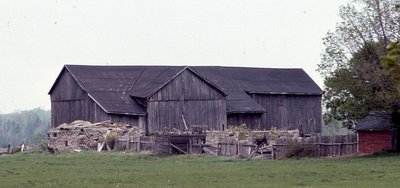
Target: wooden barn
(375, 133)
(156, 97)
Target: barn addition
(157, 97)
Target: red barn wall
(374, 141)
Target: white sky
(38, 37)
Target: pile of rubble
(83, 135)
(267, 137)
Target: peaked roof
(374, 122)
(238, 82)
(261, 80)
(116, 88)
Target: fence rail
(318, 146)
(314, 146)
(187, 144)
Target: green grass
(90, 169)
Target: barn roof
(115, 88)
(374, 122)
(261, 80)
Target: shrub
(111, 139)
(241, 130)
(274, 133)
(299, 149)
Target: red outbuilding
(375, 133)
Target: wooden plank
(184, 122)
(176, 147)
(210, 151)
(291, 112)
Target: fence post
(237, 148)
(127, 144)
(319, 144)
(138, 144)
(358, 143)
(218, 148)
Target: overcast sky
(38, 37)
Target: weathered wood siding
(303, 112)
(70, 102)
(252, 121)
(188, 95)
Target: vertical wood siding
(303, 112)
(188, 95)
(69, 102)
(252, 121)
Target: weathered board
(251, 120)
(70, 102)
(188, 95)
(303, 112)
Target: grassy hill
(90, 169)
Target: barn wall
(374, 141)
(69, 102)
(303, 112)
(252, 121)
(188, 95)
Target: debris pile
(257, 137)
(83, 135)
(246, 143)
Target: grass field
(90, 169)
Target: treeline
(27, 127)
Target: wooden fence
(236, 149)
(316, 146)
(167, 144)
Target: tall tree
(28, 127)
(355, 80)
(392, 62)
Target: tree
(28, 127)
(356, 82)
(392, 62)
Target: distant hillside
(29, 126)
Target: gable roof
(261, 80)
(153, 78)
(238, 81)
(374, 122)
(114, 88)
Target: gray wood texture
(303, 112)
(70, 102)
(188, 95)
(252, 121)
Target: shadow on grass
(380, 154)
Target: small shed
(375, 133)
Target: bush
(111, 139)
(40, 147)
(241, 130)
(299, 150)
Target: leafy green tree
(28, 127)
(392, 62)
(355, 80)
